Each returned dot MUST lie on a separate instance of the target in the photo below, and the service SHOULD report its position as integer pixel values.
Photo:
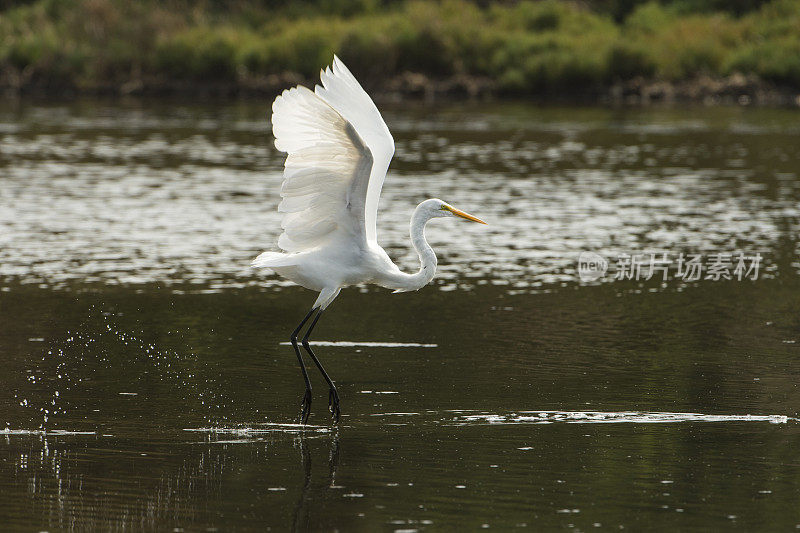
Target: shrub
(524, 46)
(777, 60)
(303, 46)
(198, 53)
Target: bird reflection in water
(62, 481)
(302, 510)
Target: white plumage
(339, 150)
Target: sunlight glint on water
(134, 208)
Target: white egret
(339, 150)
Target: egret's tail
(272, 259)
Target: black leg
(305, 407)
(333, 396)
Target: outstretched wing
(338, 149)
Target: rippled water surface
(147, 383)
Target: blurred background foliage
(520, 46)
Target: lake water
(146, 386)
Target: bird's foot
(305, 407)
(333, 404)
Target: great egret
(338, 149)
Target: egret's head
(437, 208)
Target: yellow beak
(462, 214)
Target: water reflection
(595, 417)
(70, 481)
(302, 519)
(509, 395)
(245, 433)
(303, 480)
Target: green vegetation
(521, 47)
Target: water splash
(46, 432)
(102, 352)
(248, 433)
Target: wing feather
(338, 151)
(342, 91)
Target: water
(147, 384)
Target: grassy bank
(522, 48)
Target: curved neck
(401, 281)
(427, 257)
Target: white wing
(338, 149)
